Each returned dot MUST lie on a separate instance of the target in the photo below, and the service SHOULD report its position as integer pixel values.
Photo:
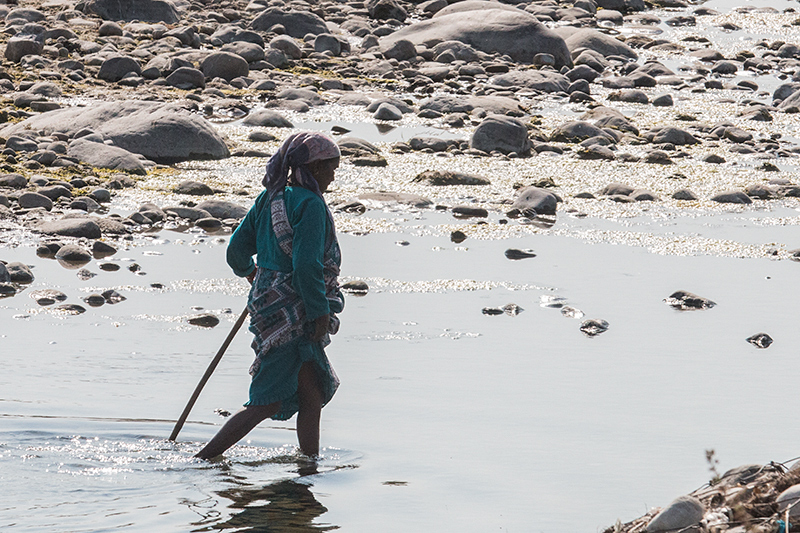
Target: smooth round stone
(356, 287)
(101, 249)
(594, 327)
(209, 224)
(112, 297)
(204, 320)
(790, 497)
(73, 256)
(7, 289)
(94, 300)
(45, 297)
(683, 512)
(515, 254)
(71, 309)
(49, 250)
(108, 267)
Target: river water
(447, 419)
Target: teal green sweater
(309, 219)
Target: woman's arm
(242, 245)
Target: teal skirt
(276, 378)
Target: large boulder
(129, 10)
(163, 133)
(472, 5)
(516, 33)
(296, 23)
(101, 155)
(503, 134)
(578, 40)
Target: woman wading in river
(295, 293)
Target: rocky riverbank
(750, 498)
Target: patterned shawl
(294, 155)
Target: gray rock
(109, 29)
(400, 50)
(397, 197)
(71, 227)
(312, 98)
(205, 320)
(100, 195)
(4, 275)
(19, 47)
(532, 202)
(760, 191)
(250, 52)
(325, 42)
(287, 45)
(513, 32)
(684, 194)
(503, 134)
(187, 78)
(615, 188)
(277, 59)
(540, 80)
(267, 118)
(101, 249)
(163, 133)
(470, 211)
(356, 287)
(760, 340)
(30, 200)
(386, 10)
(84, 203)
(13, 181)
(515, 254)
(593, 327)
(683, 512)
(21, 15)
(101, 155)
(296, 23)
(632, 96)
(224, 65)
(355, 146)
(684, 300)
(421, 142)
(73, 254)
(732, 197)
(584, 38)
(190, 213)
(70, 309)
(21, 144)
(671, 135)
(222, 209)
(19, 272)
(448, 177)
(194, 188)
(789, 498)
(644, 195)
(665, 100)
(387, 111)
(114, 69)
(208, 224)
(575, 131)
(129, 10)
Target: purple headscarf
(294, 155)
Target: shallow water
(443, 410)
(447, 418)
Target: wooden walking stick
(210, 370)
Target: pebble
(515, 254)
(205, 320)
(70, 309)
(685, 301)
(94, 300)
(356, 287)
(112, 297)
(593, 327)
(684, 512)
(760, 340)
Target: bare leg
(237, 427)
(310, 400)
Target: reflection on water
(287, 506)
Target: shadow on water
(287, 506)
